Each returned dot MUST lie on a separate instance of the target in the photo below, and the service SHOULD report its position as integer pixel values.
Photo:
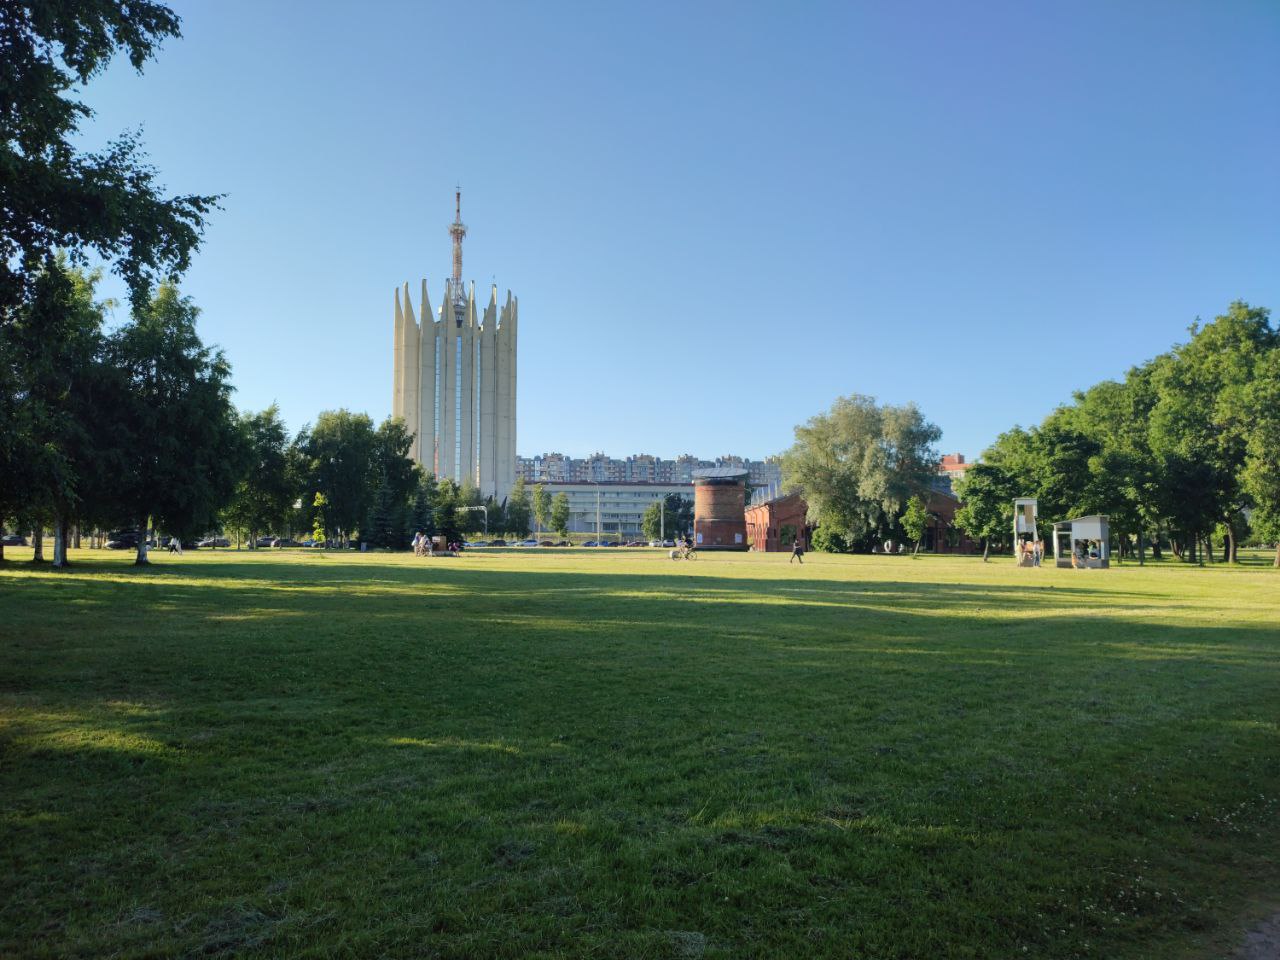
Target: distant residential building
(953, 465)
(640, 468)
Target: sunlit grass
(605, 753)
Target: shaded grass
(583, 754)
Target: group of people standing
(1031, 552)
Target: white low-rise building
(614, 511)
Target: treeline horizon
(1183, 451)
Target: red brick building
(774, 525)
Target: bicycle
(684, 553)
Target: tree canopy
(858, 464)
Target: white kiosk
(1026, 542)
(1083, 543)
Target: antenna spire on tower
(457, 230)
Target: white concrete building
(619, 507)
(454, 380)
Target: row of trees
(107, 428)
(859, 466)
(1185, 450)
(343, 477)
(90, 419)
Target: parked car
(636, 543)
(122, 540)
(611, 543)
(668, 543)
(564, 543)
(498, 543)
(546, 543)
(285, 542)
(528, 543)
(480, 543)
(214, 542)
(591, 543)
(13, 540)
(264, 541)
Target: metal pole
(597, 514)
(662, 519)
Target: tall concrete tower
(454, 379)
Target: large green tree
(859, 463)
(986, 513)
(1262, 456)
(519, 511)
(185, 449)
(61, 444)
(342, 454)
(267, 488)
(1203, 417)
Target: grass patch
(573, 753)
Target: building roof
(720, 473)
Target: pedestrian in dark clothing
(797, 552)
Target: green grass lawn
(608, 754)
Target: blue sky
(718, 217)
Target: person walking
(417, 544)
(797, 552)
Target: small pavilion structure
(1083, 543)
(1025, 537)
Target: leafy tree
(52, 195)
(1203, 418)
(671, 516)
(266, 489)
(381, 529)
(652, 522)
(560, 514)
(916, 520)
(541, 506)
(519, 511)
(342, 462)
(825, 540)
(57, 339)
(859, 463)
(1261, 476)
(320, 504)
(392, 463)
(446, 511)
(679, 514)
(422, 510)
(986, 512)
(470, 519)
(183, 436)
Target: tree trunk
(76, 541)
(142, 560)
(59, 542)
(1142, 553)
(1276, 561)
(1229, 546)
(986, 550)
(37, 545)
